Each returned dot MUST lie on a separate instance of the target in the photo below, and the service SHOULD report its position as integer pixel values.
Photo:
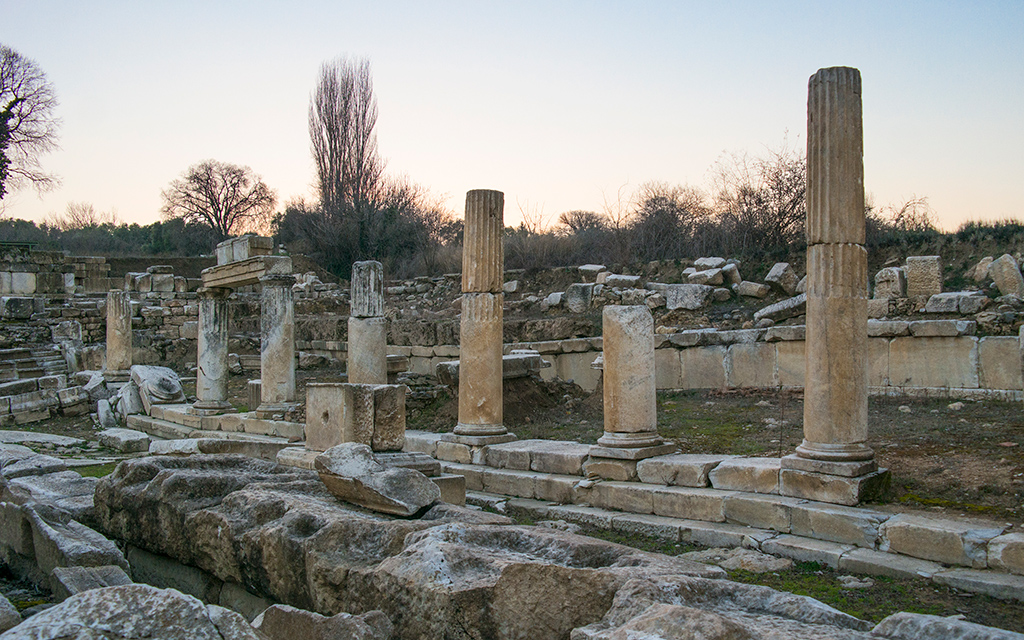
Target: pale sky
(558, 104)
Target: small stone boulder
(782, 279)
(124, 440)
(687, 296)
(576, 298)
(351, 472)
(1006, 275)
(890, 282)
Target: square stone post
(277, 347)
(834, 463)
(630, 401)
(480, 341)
(212, 353)
(119, 336)
(367, 327)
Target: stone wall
(25, 271)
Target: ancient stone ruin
(321, 515)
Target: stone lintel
(246, 272)
(832, 488)
(845, 469)
(632, 453)
(478, 441)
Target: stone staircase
(34, 384)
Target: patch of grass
(710, 428)
(97, 471)
(949, 504)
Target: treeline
(166, 238)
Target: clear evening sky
(558, 104)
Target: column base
(856, 452)
(478, 440)
(275, 411)
(477, 430)
(850, 469)
(117, 375)
(210, 408)
(637, 440)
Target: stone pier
(277, 347)
(367, 327)
(212, 353)
(119, 336)
(630, 403)
(480, 343)
(834, 463)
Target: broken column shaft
(119, 336)
(367, 327)
(212, 352)
(277, 346)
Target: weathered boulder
(128, 401)
(281, 622)
(782, 279)
(687, 296)
(351, 472)
(124, 440)
(912, 626)
(134, 611)
(890, 282)
(1006, 275)
(576, 298)
(695, 607)
(752, 289)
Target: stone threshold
(846, 558)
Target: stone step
(845, 558)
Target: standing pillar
(480, 340)
(119, 336)
(630, 401)
(834, 463)
(277, 347)
(212, 353)
(367, 327)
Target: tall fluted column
(212, 353)
(480, 341)
(119, 336)
(277, 346)
(834, 463)
(367, 327)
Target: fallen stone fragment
(282, 622)
(1006, 275)
(915, 626)
(124, 440)
(9, 616)
(351, 472)
(789, 308)
(68, 581)
(134, 611)
(157, 385)
(739, 558)
(17, 462)
(782, 279)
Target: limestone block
(765, 512)
(723, 534)
(786, 333)
(682, 470)
(124, 440)
(668, 369)
(998, 585)
(999, 363)
(453, 452)
(508, 482)
(959, 542)
(367, 289)
(1006, 275)
(621, 281)
(713, 262)
(942, 328)
(934, 362)
(337, 413)
(610, 469)
(622, 496)
(690, 503)
(806, 549)
(388, 417)
(752, 289)
(67, 581)
(16, 308)
(703, 368)
(708, 276)
(837, 523)
(165, 573)
(756, 475)
(650, 526)
(421, 442)
(752, 365)
(943, 303)
(59, 541)
(351, 472)
(888, 328)
(163, 282)
(834, 489)
(731, 273)
(878, 563)
(782, 279)
(890, 283)
(282, 622)
(483, 257)
(784, 309)
(23, 282)
(791, 363)
(924, 276)
(878, 308)
(577, 297)
(1006, 553)
(687, 296)
(911, 626)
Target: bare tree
(228, 198)
(577, 221)
(342, 117)
(80, 215)
(28, 127)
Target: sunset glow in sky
(558, 104)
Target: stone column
(834, 463)
(480, 341)
(212, 353)
(277, 347)
(119, 336)
(630, 402)
(367, 327)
